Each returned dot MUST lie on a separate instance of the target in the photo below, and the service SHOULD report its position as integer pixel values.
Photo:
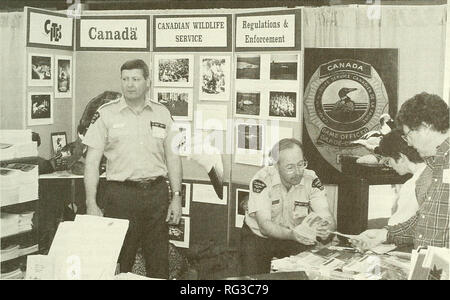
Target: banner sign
(46, 29)
(113, 33)
(192, 33)
(347, 91)
(278, 30)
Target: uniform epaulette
(109, 103)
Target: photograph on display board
(174, 70)
(179, 234)
(40, 69)
(241, 206)
(214, 78)
(185, 198)
(248, 66)
(59, 141)
(183, 138)
(248, 104)
(177, 101)
(40, 109)
(63, 76)
(283, 105)
(283, 66)
(250, 137)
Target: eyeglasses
(405, 137)
(292, 168)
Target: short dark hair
(282, 145)
(427, 108)
(136, 64)
(392, 144)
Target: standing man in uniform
(136, 136)
(425, 122)
(281, 196)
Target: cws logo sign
(343, 99)
(47, 29)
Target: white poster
(205, 193)
(265, 31)
(50, 30)
(191, 32)
(114, 33)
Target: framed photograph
(185, 198)
(59, 141)
(174, 70)
(248, 66)
(242, 197)
(248, 104)
(179, 234)
(40, 109)
(205, 193)
(214, 78)
(40, 69)
(249, 144)
(183, 138)
(283, 66)
(283, 105)
(63, 77)
(178, 101)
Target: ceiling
(15, 5)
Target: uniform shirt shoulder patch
(95, 117)
(258, 186)
(317, 184)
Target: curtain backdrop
(417, 31)
(12, 63)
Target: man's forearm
(91, 178)
(272, 230)
(175, 172)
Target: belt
(144, 184)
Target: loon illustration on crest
(345, 103)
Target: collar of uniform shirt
(277, 179)
(123, 103)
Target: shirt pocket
(116, 135)
(276, 209)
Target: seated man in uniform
(281, 196)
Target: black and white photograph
(63, 76)
(183, 138)
(59, 141)
(174, 70)
(40, 69)
(248, 104)
(241, 206)
(283, 105)
(283, 66)
(179, 234)
(250, 137)
(178, 101)
(248, 66)
(185, 198)
(214, 78)
(40, 109)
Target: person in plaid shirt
(424, 120)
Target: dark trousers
(257, 252)
(146, 209)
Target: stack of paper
(9, 224)
(309, 225)
(16, 144)
(9, 253)
(87, 248)
(28, 181)
(26, 221)
(28, 250)
(9, 187)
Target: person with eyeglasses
(281, 196)
(424, 120)
(404, 160)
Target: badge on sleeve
(95, 117)
(317, 184)
(258, 186)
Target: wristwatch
(177, 193)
